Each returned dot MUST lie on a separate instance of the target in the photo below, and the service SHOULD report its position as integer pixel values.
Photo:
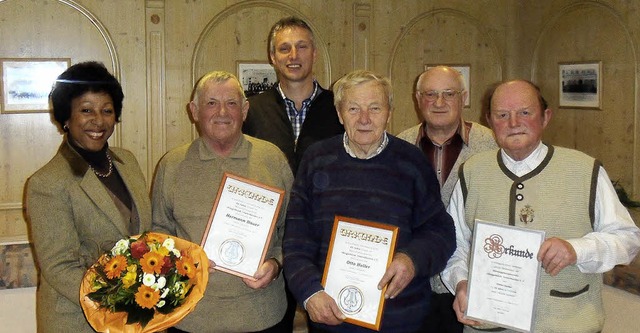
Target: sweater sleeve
(433, 233)
(302, 241)
(163, 220)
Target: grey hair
(218, 77)
(359, 77)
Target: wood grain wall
(158, 48)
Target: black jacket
(268, 120)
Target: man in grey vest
(533, 185)
(447, 140)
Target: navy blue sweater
(397, 187)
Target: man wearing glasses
(447, 141)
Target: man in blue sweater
(370, 175)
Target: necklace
(104, 175)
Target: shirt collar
(314, 93)
(240, 150)
(462, 131)
(520, 168)
(381, 147)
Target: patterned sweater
(396, 187)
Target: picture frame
(26, 83)
(465, 70)
(580, 85)
(241, 224)
(256, 76)
(17, 265)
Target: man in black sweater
(296, 112)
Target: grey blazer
(72, 220)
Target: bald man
(447, 140)
(537, 186)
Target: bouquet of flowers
(144, 283)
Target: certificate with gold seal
(503, 276)
(241, 224)
(359, 253)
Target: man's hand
(266, 273)
(323, 309)
(460, 304)
(556, 254)
(400, 272)
(212, 266)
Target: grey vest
(558, 197)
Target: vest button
(520, 186)
(519, 197)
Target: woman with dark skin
(87, 197)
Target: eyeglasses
(432, 95)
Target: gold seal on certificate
(241, 225)
(503, 275)
(359, 254)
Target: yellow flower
(186, 267)
(147, 297)
(180, 289)
(152, 262)
(163, 250)
(129, 278)
(115, 266)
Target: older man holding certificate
(534, 186)
(184, 191)
(365, 175)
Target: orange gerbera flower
(115, 266)
(147, 297)
(152, 262)
(155, 238)
(186, 267)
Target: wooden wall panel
(442, 36)
(573, 35)
(28, 141)
(215, 37)
(158, 48)
(240, 34)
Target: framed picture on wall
(256, 76)
(580, 85)
(26, 83)
(17, 267)
(464, 69)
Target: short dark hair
(90, 76)
(287, 22)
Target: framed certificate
(241, 224)
(504, 274)
(359, 254)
